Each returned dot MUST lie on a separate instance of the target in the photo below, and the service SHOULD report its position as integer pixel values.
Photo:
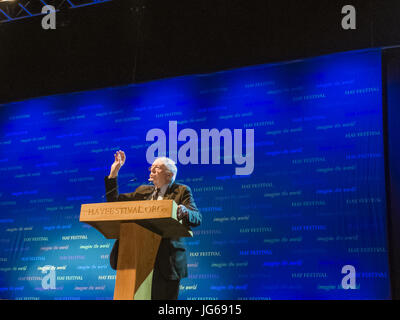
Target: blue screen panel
(303, 219)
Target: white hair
(170, 165)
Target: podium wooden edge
(151, 214)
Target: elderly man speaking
(171, 263)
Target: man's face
(159, 174)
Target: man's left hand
(182, 212)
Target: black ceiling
(125, 41)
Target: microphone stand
(113, 189)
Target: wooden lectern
(139, 226)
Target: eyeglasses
(155, 167)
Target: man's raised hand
(119, 161)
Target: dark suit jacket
(171, 259)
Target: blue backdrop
(315, 201)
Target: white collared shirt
(162, 192)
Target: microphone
(113, 189)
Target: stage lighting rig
(14, 10)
